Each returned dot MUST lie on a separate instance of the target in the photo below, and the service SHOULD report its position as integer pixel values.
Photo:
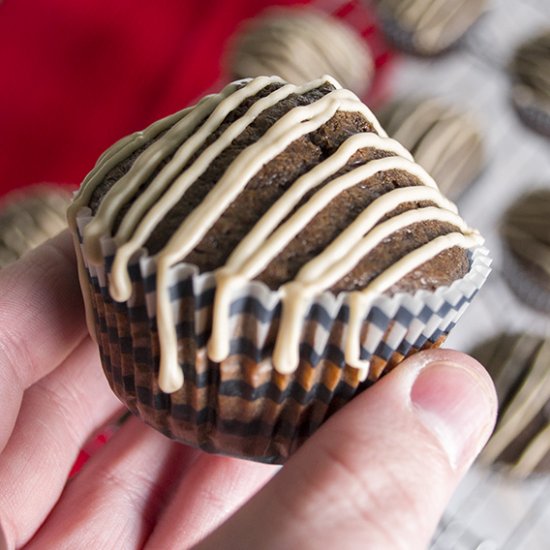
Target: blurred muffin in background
(301, 44)
(520, 367)
(427, 27)
(446, 141)
(530, 69)
(30, 216)
(526, 237)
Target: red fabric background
(76, 76)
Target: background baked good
(427, 27)
(300, 44)
(444, 139)
(530, 70)
(29, 217)
(526, 235)
(519, 365)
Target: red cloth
(76, 76)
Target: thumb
(379, 473)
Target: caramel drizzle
(270, 235)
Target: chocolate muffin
(520, 367)
(526, 236)
(30, 216)
(427, 27)
(443, 139)
(530, 69)
(251, 263)
(300, 44)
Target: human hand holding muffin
(249, 265)
(377, 474)
(253, 262)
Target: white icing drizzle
(143, 167)
(307, 182)
(360, 300)
(276, 228)
(117, 153)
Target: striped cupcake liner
(242, 406)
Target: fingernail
(457, 404)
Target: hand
(377, 475)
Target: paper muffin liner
(242, 406)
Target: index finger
(41, 321)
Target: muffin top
(444, 140)
(300, 44)
(526, 233)
(432, 25)
(519, 366)
(294, 187)
(29, 217)
(530, 70)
